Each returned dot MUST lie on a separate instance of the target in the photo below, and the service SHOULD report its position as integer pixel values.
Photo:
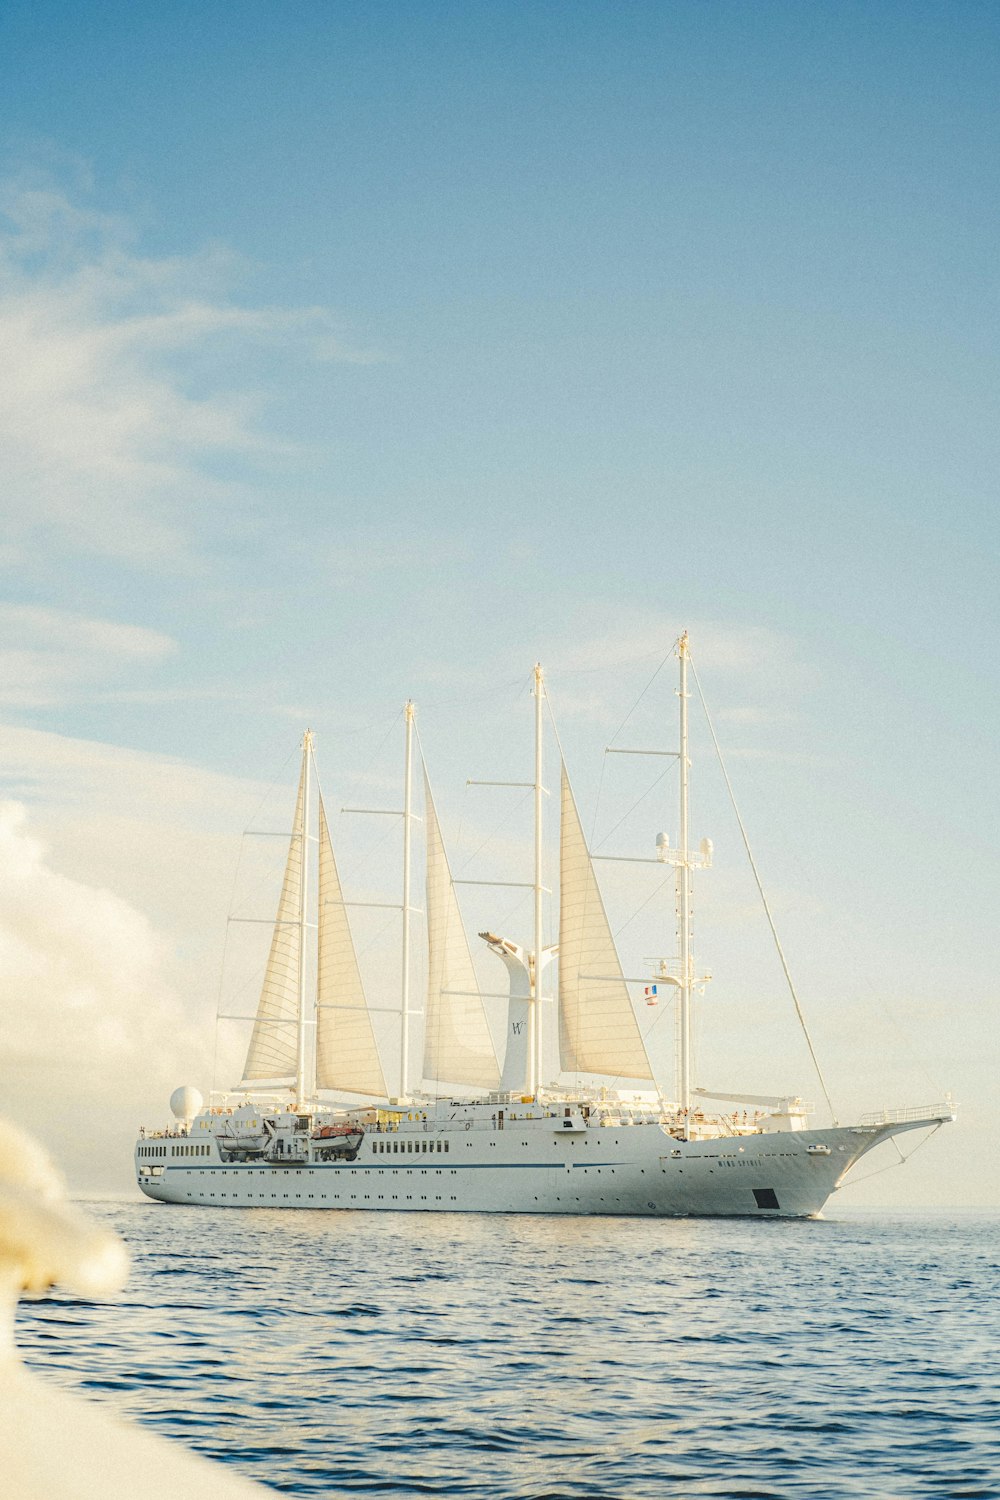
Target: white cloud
(115, 888)
(110, 428)
(85, 775)
(58, 628)
(91, 1032)
(47, 655)
(630, 636)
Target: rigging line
(760, 889)
(437, 1010)
(268, 792)
(222, 969)
(552, 720)
(487, 694)
(360, 775)
(625, 816)
(562, 758)
(642, 695)
(651, 788)
(614, 935)
(365, 859)
(254, 817)
(433, 1009)
(651, 897)
(607, 666)
(604, 759)
(507, 817)
(493, 831)
(891, 1167)
(376, 938)
(804, 877)
(269, 789)
(875, 997)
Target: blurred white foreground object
(54, 1446)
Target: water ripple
(334, 1354)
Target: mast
(404, 1018)
(302, 1085)
(535, 1020)
(684, 894)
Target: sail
(346, 1054)
(598, 1032)
(273, 1051)
(458, 1046)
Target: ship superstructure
(484, 1133)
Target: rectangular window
(766, 1197)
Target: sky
(357, 353)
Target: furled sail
(598, 1032)
(346, 1052)
(273, 1051)
(458, 1045)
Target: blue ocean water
(523, 1358)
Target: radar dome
(185, 1102)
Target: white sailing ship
(482, 1132)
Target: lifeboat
(337, 1141)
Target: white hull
(532, 1166)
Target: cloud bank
(125, 379)
(47, 655)
(90, 1030)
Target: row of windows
(186, 1150)
(393, 1147)
(353, 1198)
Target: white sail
(458, 1045)
(346, 1053)
(598, 1032)
(273, 1051)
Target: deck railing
(944, 1111)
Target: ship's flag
(651, 994)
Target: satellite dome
(185, 1102)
